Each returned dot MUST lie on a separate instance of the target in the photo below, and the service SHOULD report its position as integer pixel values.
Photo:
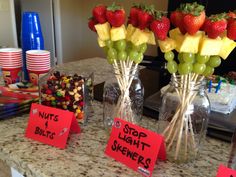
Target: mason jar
(183, 117)
(123, 97)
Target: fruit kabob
(200, 42)
(124, 46)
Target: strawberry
(115, 15)
(160, 26)
(133, 15)
(92, 22)
(99, 14)
(145, 17)
(194, 17)
(216, 26)
(206, 24)
(231, 14)
(231, 29)
(176, 18)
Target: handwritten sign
(50, 125)
(134, 146)
(225, 172)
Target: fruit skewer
(124, 47)
(199, 52)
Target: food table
(84, 155)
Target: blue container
(31, 37)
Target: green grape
(172, 67)
(185, 68)
(199, 68)
(105, 49)
(110, 60)
(109, 43)
(180, 58)
(120, 45)
(208, 71)
(143, 48)
(139, 58)
(112, 53)
(169, 56)
(122, 55)
(188, 57)
(129, 46)
(214, 61)
(202, 58)
(133, 55)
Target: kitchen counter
(84, 155)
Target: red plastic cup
(11, 75)
(10, 50)
(34, 76)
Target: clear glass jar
(63, 88)
(183, 117)
(123, 98)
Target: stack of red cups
(11, 64)
(38, 64)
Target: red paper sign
(134, 146)
(225, 172)
(50, 125)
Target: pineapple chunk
(176, 35)
(227, 47)
(103, 31)
(191, 43)
(101, 43)
(174, 32)
(210, 46)
(130, 31)
(139, 37)
(118, 33)
(179, 41)
(167, 45)
(151, 39)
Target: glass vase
(183, 117)
(65, 89)
(123, 97)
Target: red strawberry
(231, 14)
(160, 26)
(92, 22)
(217, 25)
(115, 15)
(231, 29)
(145, 17)
(194, 17)
(99, 14)
(206, 25)
(176, 18)
(133, 16)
